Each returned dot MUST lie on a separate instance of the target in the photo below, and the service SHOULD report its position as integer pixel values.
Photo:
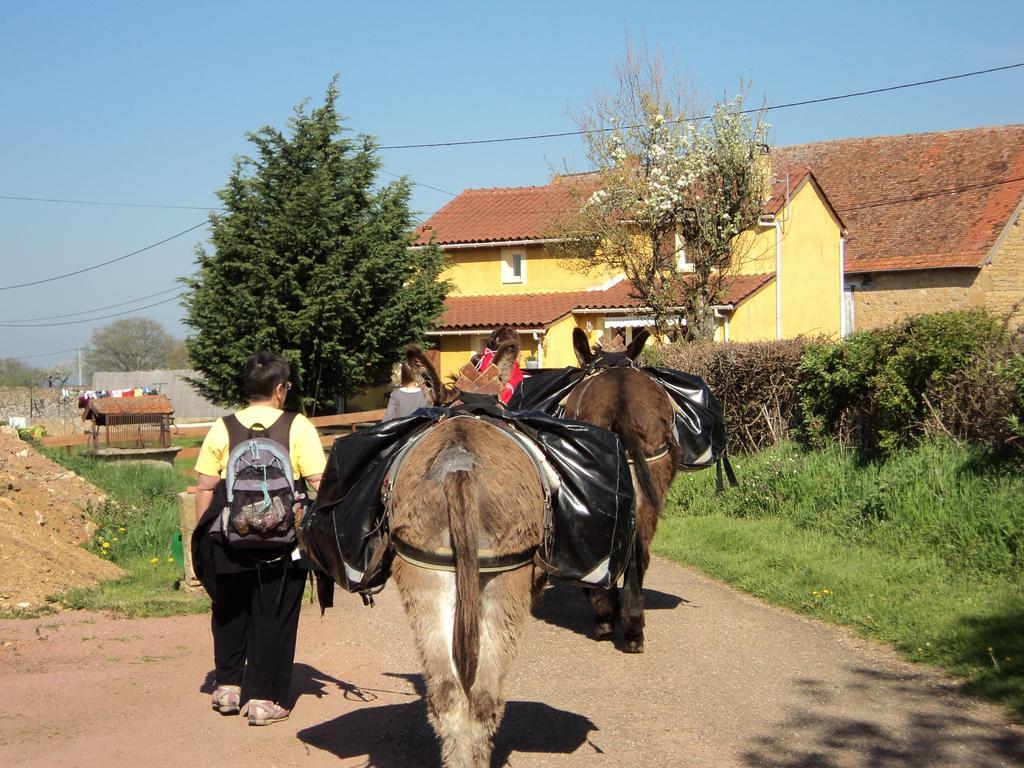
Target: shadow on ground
(936, 729)
(399, 736)
(566, 606)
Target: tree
(310, 261)
(667, 184)
(14, 373)
(57, 375)
(129, 344)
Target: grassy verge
(136, 526)
(924, 551)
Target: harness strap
(443, 558)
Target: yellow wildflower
(105, 545)
(154, 560)
(122, 529)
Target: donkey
(466, 514)
(635, 407)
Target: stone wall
(1003, 277)
(45, 407)
(998, 286)
(892, 296)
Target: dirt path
(726, 681)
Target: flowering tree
(669, 196)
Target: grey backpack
(260, 487)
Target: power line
(111, 204)
(788, 105)
(47, 354)
(90, 311)
(420, 183)
(90, 319)
(930, 194)
(105, 263)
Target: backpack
(260, 487)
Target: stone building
(934, 220)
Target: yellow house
(788, 274)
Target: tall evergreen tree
(313, 262)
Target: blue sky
(148, 103)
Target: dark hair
(408, 375)
(263, 372)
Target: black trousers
(255, 621)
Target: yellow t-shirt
(303, 443)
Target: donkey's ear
(426, 375)
(636, 346)
(581, 345)
(505, 356)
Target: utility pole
(80, 383)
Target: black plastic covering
(699, 422)
(592, 517)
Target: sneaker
(226, 699)
(263, 712)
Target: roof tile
(919, 201)
(538, 310)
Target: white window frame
(508, 277)
(683, 264)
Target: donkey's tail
(464, 524)
(641, 472)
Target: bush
(756, 383)
(881, 390)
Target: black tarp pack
(587, 534)
(699, 422)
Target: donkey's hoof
(604, 630)
(634, 645)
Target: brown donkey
(635, 407)
(465, 494)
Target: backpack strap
(279, 431)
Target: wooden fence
(329, 427)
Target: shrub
(756, 383)
(884, 389)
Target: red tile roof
(497, 215)
(538, 310)
(920, 201)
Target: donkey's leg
(429, 601)
(633, 593)
(605, 603)
(505, 605)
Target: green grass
(136, 526)
(924, 551)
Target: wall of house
(812, 275)
(477, 272)
(811, 271)
(1002, 279)
(893, 296)
(754, 319)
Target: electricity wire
(105, 263)
(769, 108)
(91, 319)
(90, 311)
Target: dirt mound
(42, 524)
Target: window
(682, 263)
(513, 265)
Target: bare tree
(57, 375)
(671, 192)
(130, 344)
